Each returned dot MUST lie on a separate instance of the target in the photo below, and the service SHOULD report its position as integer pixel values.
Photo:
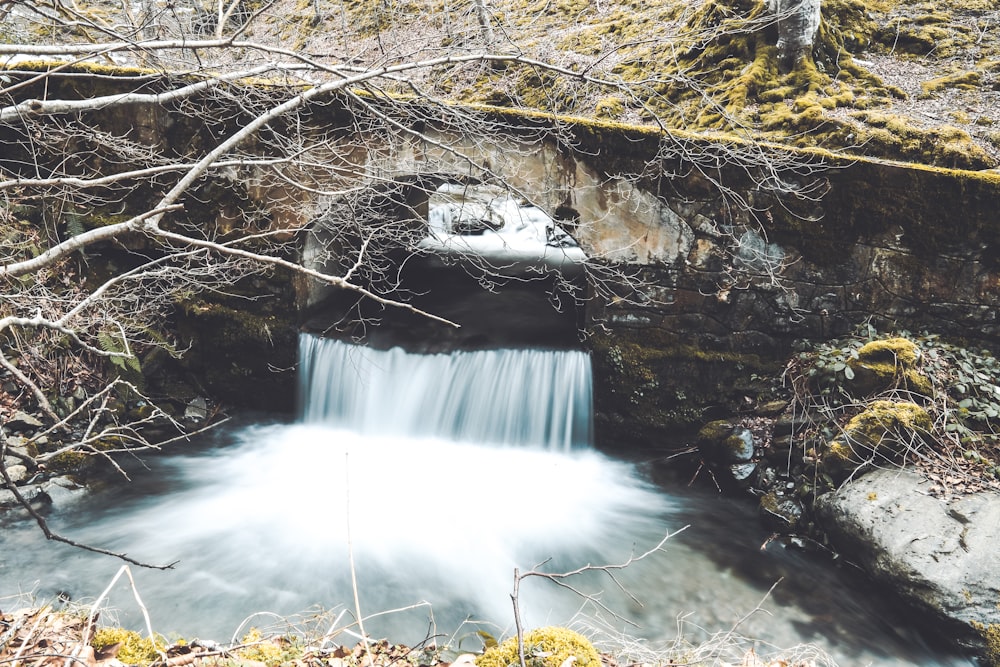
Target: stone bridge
(711, 266)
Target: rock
(17, 443)
(197, 409)
(780, 512)
(739, 447)
(890, 362)
(779, 449)
(939, 556)
(17, 473)
(63, 490)
(884, 431)
(791, 425)
(726, 443)
(715, 431)
(23, 420)
(743, 473)
(771, 408)
(33, 493)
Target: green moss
(886, 425)
(884, 431)
(609, 107)
(134, 650)
(897, 351)
(838, 453)
(544, 647)
(991, 636)
(966, 80)
(656, 384)
(79, 67)
(269, 651)
(924, 35)
(854, 20)
(715, 431)
(780, 511)
(69, 461)
(897, 136)
(233, 326)
(891, 362)
(769, 502)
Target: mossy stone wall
(906, 247)
(724, 293)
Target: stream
(427, 480)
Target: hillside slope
(913, 81)
(916, 81)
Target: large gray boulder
(944, 557)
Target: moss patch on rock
(991, 637)
(884, 431)
(132, 648)
(543, 647)
(888, 363)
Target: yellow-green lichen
(991, 637)
(886, 426)
(889, 363)
(133, 648)
(964, 80)
(543, 647)
(715, 431)
(271, 651)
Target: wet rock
(62, 490)
(730, 449)
(779, 511)
(33, 493)
(197, 409)
(726, 443)
(766, 478)
(743, 473)
(739, 447)
(939, 556)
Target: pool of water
(268, 517)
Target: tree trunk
(483, 15)
(798, 23)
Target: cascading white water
(505, 397)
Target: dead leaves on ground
(49, 638)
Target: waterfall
(506, 397)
